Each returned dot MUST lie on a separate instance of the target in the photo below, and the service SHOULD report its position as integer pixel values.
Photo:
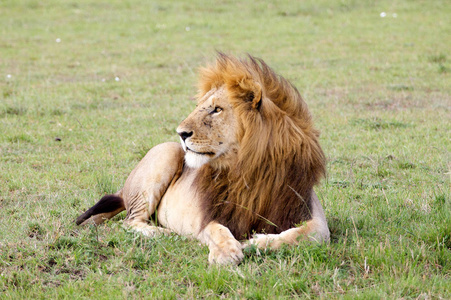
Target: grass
(87, 87)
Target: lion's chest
(179, 207)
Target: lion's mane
(269, 187)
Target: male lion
(248, 160)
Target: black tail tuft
(107, 204)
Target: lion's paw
(153, 231)
(227, 252)
(265, 241)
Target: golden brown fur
(268, 188)
(247, 163)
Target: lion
(244, 169)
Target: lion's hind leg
(146, 185)
(138, 215)
(143, 227)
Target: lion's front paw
(227, 252)
(265, 241)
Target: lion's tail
(106, 208)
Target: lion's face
(209, 133)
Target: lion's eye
(217, 110)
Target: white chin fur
(194, 160)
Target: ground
(87, 87)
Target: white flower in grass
(117, 78)
(383, 14)
(9, 76)
(58, 40)
(187, 28)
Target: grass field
(87, 87)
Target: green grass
(378, 88)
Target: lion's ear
(254, 95)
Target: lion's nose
(184, 135)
